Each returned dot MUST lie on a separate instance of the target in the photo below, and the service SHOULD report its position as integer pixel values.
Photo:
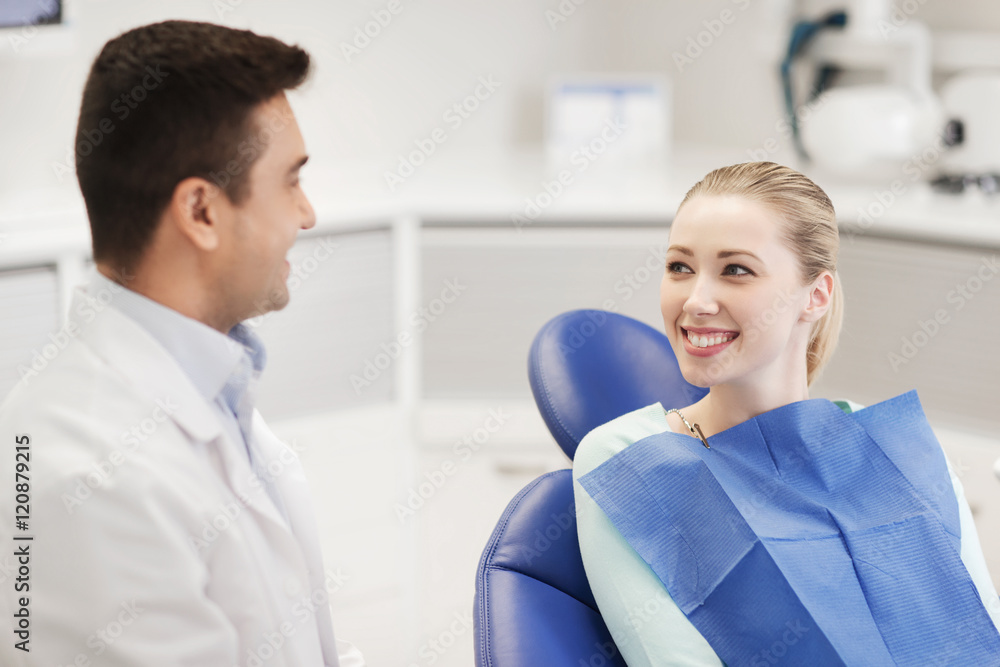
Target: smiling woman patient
(757, 526)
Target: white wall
(430, 56)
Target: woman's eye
(737, 270)
(678, 267)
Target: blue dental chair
(533, 605)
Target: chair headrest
(587, 367)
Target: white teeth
(705, 341)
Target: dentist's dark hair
(809, 229)
(165, 102)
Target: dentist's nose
(308, 213)
(701, 299)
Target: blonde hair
(809, 230)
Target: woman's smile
(705, 341)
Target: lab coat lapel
(144, 363)
(290, 482)
(154, 373)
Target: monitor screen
(14, 13)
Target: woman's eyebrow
(730, 253)
(722, 253)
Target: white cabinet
(29, 301)
(516, 280)
(919, 316)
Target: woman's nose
(701, 299)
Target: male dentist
(162, 522)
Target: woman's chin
(706, 371)
(699, 377)
(711, 371)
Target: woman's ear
(820, 298)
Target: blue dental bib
(806, 536)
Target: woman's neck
(730, 403)
(727, 405)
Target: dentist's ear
(195, 210)
(820, 298)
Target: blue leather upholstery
(533, 606)
(533, 603)
(587, 367)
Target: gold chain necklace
(695, 430)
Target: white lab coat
(152, 543)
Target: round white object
(870, 131)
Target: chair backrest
(533, 603)
(587, 367)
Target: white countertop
(487, 189)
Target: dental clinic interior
(479, 168)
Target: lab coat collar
(105, 329)
(153, 372)
(207, 357)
